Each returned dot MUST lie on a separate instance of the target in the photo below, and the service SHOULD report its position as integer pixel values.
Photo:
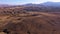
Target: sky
(18, 2)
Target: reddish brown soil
(33, 23)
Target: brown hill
(30, 23)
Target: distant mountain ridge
(47, 6)
(53, 4)
(4, 5)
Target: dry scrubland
(20, 22)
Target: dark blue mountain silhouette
(53, 4)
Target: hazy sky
(25, 1)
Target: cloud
(55, 0)
(25, 1)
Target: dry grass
(31, 23)
(2, 33)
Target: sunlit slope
(33, 23)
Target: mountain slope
(53, 4)
(36, 23)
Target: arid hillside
(30, 23)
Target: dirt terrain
(30, 23)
